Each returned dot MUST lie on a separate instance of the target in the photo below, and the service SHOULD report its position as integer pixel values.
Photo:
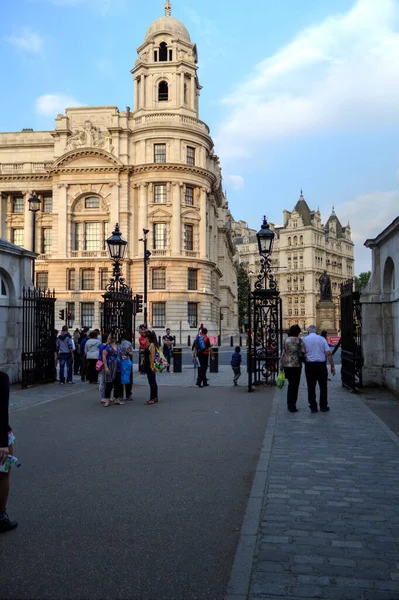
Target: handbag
(99, 365)
(280, 381)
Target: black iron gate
(351, 337)
(117, 313)
(264, 336)
(38, 337)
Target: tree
(362, 280)
(243, 286)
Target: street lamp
(117, 247)
(265, 237)
(34, 207)
(147, 255)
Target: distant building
(303, 248)
(153, 167)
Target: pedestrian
(292, 357)
(76, 355)
(324, 335)
(149, 363)
(7, 440)
(65, 355)
(202, 349)
(126, 354)
(98, 334)
(168, 343)
(91, 349)
(101, 373)
(317, 354)
(236, 364)
(111, 360)
(84, 336)
(143, 345)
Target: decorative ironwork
(117, 284)
(117, 314)
(351, 338)
(38, 337)
(265, 278)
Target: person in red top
(203, 357)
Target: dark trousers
(76, 362)
(115, 385)
(152, 380)
(168, 355)
(293, 374)
(203, 361)
(92, 373)
(83, 368)
(65, 361)
(316, 372)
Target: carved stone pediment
(86, 160)
(89, 136)
(160, 212)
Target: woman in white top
(92, 348)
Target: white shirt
(316, 348)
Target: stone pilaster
(28, 224)
(176, 218)
(203, 237)
(61, 247)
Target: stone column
(115, 205)
(203, 228)
(3, 215)
(136, 96)
(28, 223)
(142, 91)
(143, 208)
(176, 218)
(62, 247)
(181, 89)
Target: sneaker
(325, 409)
(6, 524)
(235, 383)
(314, 410)
(61, 383)
(70, 382)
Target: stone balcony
(25, 167)
(170, 119)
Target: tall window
(192, 314)
(18, 237)
(158, 314)
(192, 279)
(18, 204)
(42, 280)
(158, 279)
(47, 240)
(190, 155)
(160, 193)
(163, 52)
(159, 236)
(71, 279)
(87, 279)
(71, 310)
(103, 279)
(159, 153)
(93, 236)
(93, 202)
(189, 196)
(163, 91)
(87, 314)
(189, 237)
(48, 204)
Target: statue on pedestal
(325, 288)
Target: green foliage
(243, 286)
(361, 280)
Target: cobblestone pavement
(323, 517)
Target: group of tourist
(314, 352)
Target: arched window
(289, 241)
(185, 93)
(3, 288)
(301, 239)
(389, 276)
(163, 52)
(295, 240)
(163, 91)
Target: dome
(170, 25)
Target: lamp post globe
(265, 237)
(34, 203)
(117, 246)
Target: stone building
(380, 311)
(151, 168)
(303, 248)
(15, 274)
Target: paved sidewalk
(322, 519)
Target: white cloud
(368, 215)
(236, 181)
(52, 104)
(341, 74)
(27, 40)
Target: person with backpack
(202, 349)
(236, 364)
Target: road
(134, 502)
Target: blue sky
(298, 93)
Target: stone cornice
(25, 177)
(60, 163)
(176, 168)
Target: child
(236, 364)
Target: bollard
(219, 340)
(214, 364)
(159, 340)
(231, 341)
(189, 341)
(240, 341)
(177, 360)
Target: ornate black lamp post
(34, 207)
(265, 237)
(147, 255)
(117, 247)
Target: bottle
(10, 460)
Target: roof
(388, 232)
(340, 229)
(302, 208)
(168, 24)
(5, 245)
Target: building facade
(303, 249)
(151, 168)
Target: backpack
(199, 343)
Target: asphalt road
(131, 502)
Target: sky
(299, 94)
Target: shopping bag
(160, 363)
(280, 381)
